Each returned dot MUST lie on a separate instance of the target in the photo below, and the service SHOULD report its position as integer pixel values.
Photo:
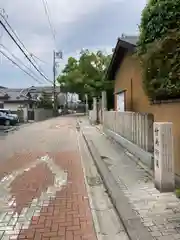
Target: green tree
(159, 48)
(86, 75)
(45, 102)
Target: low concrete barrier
(41, 114)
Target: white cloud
(31, 13)
(78, 24)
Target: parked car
(9, 113)
(7, 120)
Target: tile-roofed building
(130, 39)
(124, 44)
(13, 97)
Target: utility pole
(56, 55)
(54, 83)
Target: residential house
(26, 98)
(36, 92)
(129, 94)
(11, 98)
(15, 99)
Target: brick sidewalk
(43, 195)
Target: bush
(159, 48)
(161, 68)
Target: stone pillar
(25, 113)
(104, 104)
(104, 100)
(163, 157)
(94, 109)
(86, 98)
(94, 103)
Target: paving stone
(165, 238)
(159, 211)
(156, 234)
(176, 236)
(119, 236)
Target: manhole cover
(94, 181)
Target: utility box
(163, 157)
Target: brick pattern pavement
(43, 194)
(68, 215)
(30, 185)
(159, 212)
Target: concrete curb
(131, 221)
(10, 129)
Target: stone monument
(163, 157)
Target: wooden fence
(135, 127)
(93, 116)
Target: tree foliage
(159, 48)
(85, 75)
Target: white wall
(25, 110)
(72, 97)
(15, 107)
(11, 106)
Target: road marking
(11, 222)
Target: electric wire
(31, 54)
(45, 5)
(14, 40)
(19, 60)
(11, 60)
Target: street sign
(58, 54)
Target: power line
(19, 67)
(19, 60)
(34, 56)
(44, 2)
(31, 54)
(14, 40)
(21, 48)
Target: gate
(30, 114)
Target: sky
(78, 24)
